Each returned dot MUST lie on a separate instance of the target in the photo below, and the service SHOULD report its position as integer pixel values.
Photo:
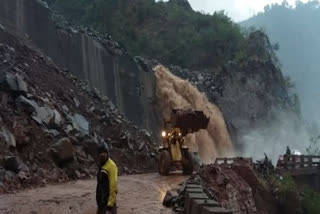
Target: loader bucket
(188, 119)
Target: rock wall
(252, 97)
(97, 59)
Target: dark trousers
(104, 210)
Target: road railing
(298, 161)
(229, 161)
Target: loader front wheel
(187, 163)
(164, 162)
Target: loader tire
(188, 163)
(164, 162)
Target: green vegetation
(314, 147)
(290, 198)
(288, 195)
(165, 31)
(310, 202)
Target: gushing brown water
(174, 92)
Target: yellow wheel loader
(173, 151)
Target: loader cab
(173, 152)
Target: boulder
(52, 132)
(2, 28)
(124, 141)
(62, 151)
(11, 163)
(2, 173)
(76, 102)
(21, 84)
(141, 146)
(146, 133)
(42, 115)
(8, 137)
(23, 176)
(68, 128)
(65, 109)
(77, 174)
(12, 83)
(57, 117)
(168, 199)
(80, 123)
(34, 167)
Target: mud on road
(138, 194)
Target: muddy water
(174, 92)
(137, 194)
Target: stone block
(215, 210)
(193, 186)
(197, 205)
(193, 190)
(188, 200)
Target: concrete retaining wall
(197, 202)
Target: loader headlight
(164, 134)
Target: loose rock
(12, 83)
(11, 163)
(8, 137)
(62, 150)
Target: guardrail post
(302, 161)
(310, 162)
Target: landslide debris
(235, 187)
(238, 188)
(51, 123)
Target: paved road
(138, 194)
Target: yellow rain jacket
(107, 185)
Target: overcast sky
(238, 10)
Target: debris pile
(234, 187)
(237, 187)
(51, 123)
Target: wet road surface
(138, 194)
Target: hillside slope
(170, 32)
(296, 31)
(92, 57)
(51, 123)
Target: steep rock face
(249, 97)
(97, 59)
(251, 94)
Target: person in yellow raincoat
(107, 181)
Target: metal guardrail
(230, 161)
(298, 162)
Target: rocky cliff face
(97, 59)
(250, 97)
(251, 94)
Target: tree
(314, 147)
